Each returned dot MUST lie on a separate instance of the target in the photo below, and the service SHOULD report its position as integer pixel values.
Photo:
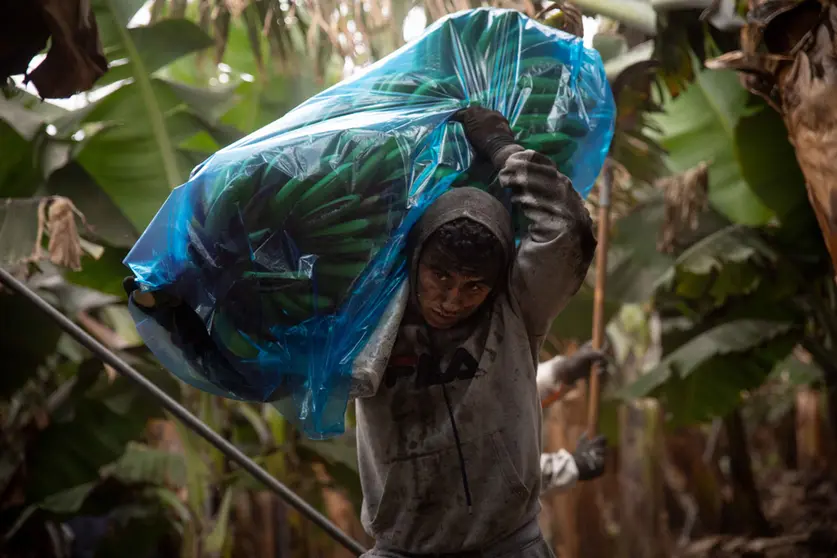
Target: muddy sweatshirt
(449, 422)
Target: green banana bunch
(336, 217)
(339, 214)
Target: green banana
(323, 190)
(378, 164)
(540, 103)
(348, 247)
(369, 202)
(548, 142)
(347, 270)
(472, 30)
(539, 84)
(330, 212)
(232, 339)
(542, 63)
(349, 228)
(564, 155)
(318, 303)
(229, 203)
(488, 35)
(574, 127)
(291, 307)
(529, 121)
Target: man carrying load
(449, 444)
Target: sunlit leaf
(158, 45)
(702, 125)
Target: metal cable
(190, 420)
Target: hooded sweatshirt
(449, 435)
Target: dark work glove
(185, 326)
(578, 366)
(589, 457)
(188, 333)
(488, 131)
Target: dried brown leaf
(685, 198)
(75, 59)
(221, 25)
(64, 242)
(810, 105)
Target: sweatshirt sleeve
(547, 377)
(369, 367)
(558, 471)
(557, 249)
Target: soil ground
(802, 509)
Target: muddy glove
(188, 333)
(566, 371)
(185, 326)
(589, 457)
(489, 133)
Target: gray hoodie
(449, 435)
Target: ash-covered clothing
(449, 436)
(526, 542)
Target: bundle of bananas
(290, 247)
(294, 232)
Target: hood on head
(464, 202)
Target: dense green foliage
(734, 294)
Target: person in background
(561, 470)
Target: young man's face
(448, 295)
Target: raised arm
(555, 253)
(557, 249)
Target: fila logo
(427, 369)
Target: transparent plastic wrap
(287, 245)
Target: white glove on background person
(562, 371)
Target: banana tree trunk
(787, 57)
(810, 105)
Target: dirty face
(448, 293)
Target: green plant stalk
(155, 115)
(216, 540)
(638, 15)
(197, 489)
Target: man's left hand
(487, 130)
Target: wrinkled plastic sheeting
(288, 244)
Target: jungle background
(721, 302)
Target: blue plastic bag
(287, 244)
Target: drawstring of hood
(462, 469)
